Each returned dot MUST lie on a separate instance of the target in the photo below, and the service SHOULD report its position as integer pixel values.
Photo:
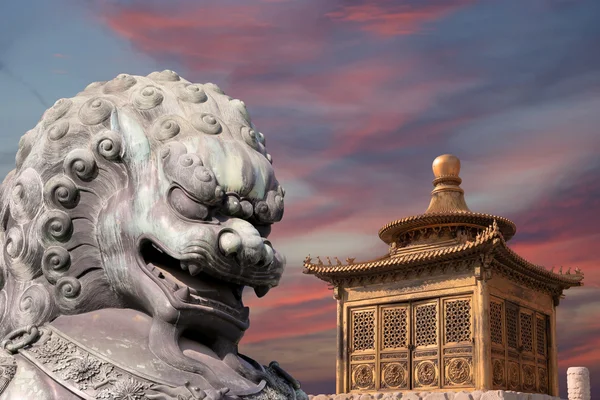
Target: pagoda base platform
(476, 395)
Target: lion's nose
(243, 242)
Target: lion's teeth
(183, 293)
(194, 269)
(155, 271)
(261, 290)
(184, 266)
(153, 245)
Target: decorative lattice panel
(496, 322)
(363, 330)
(511, 327)
(458, 321)
(540, 335)
(395, 328)
(527, 332)
(426, 325)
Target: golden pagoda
(450, 307)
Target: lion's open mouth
(191, 285)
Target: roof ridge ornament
(447, 196)
(308, 261)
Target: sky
(356, 98)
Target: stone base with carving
(476, 395)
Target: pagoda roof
(489, 241)
(449, 217)
(447, 207)
(448, 231)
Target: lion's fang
(183, 293)
(194, 269)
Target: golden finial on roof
(447, 196)
(446, 165)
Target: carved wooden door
(363, 351)
(498, 337)
(457, 343)
(526, 327)
(418, 345)
(519, 339)
(425, 357)
(513, 377)
(541, 332)
(394, 344)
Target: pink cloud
(214, 37)
(289, 323)
(578, 252)
(384, 19)
(292, 293)
(246, 44)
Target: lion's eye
(186, 206)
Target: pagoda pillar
(481, 336)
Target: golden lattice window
(395, 329)
(511, 327)
(541, 335)
(363, 325)
(527, 332)
(458, 321)
(496, 322)
(426, 325)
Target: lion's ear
(135, 142)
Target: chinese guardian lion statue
(137, 213)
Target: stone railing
(578, 383)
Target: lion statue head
(147, 193)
